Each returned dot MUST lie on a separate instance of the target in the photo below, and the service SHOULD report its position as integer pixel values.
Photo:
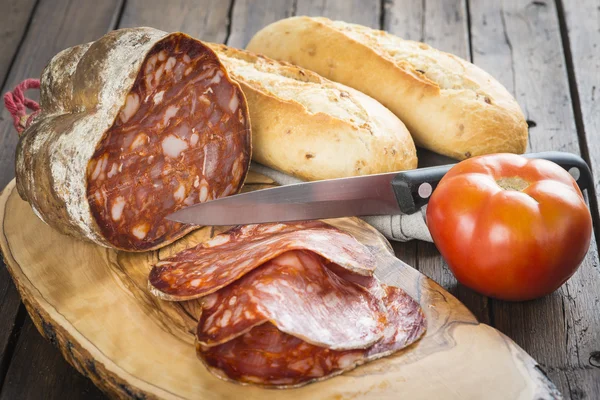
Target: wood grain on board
(520, 43)
(135, 345)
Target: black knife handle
(413, 188)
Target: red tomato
(510, 227)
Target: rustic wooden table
(546, 52)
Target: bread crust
(449, 105)
(312, 128)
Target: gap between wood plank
(12, 343)
(576, 103)
(468, 19)
(229, 21)
(116, 23)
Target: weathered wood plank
(248, 17)
(582, 34)
(55, 25)
(582, 23)
(520, 43)
(48, 34)
(10, 306)
(39, 371)
(443, 25)
(405, 18)
(206, 20)
(356, 11)
(13, 23)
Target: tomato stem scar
(513, 183)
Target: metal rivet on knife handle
(575, 173)
(425, 190)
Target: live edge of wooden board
(92, 303)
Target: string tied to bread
(17, 104)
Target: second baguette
(312, 128)
(449, 105)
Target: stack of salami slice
(287, 304)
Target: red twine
(17, 104)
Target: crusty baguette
(449, 105)
(312, 128)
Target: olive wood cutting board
(93, 304)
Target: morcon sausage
(133, 127)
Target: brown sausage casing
(133, 127)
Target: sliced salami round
(204, 269)
(266, 356)
(301, 296)
(269, 357)
(133, 127)
(406, 323)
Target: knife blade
(381, 194)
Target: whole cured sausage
(133, 127)
(203, 269)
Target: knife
(380, 194)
